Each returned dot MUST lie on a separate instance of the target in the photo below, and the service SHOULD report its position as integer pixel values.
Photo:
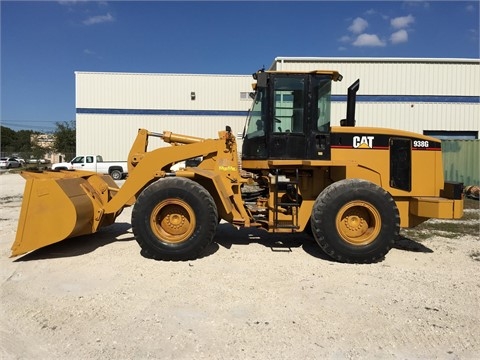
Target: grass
(27, 167)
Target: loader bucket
(61, 205)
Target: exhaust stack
(351, 102)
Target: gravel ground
(253, 296)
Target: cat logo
(363, 142)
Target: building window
(245, 96)
(452, 135)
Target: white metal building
(111, 107)
(438, 97)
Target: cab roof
(336, 76)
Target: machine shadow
(407, 244)
(81, 245)
(227, 236)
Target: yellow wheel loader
(351, 188)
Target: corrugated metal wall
(461, 161)
(161, 91)
(396, 76)
(112, 135)
(111, 107)
(413, 116)
(394, 93)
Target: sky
(43, 43)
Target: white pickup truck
(116, 169)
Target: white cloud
(402, 21)
(358, 25)
(416, 4)
(99, 19)
(344, 39)
(470, 8)
(373, 12)
(400, 36)
(473, 35)
(368, 40)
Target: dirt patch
(253, 295)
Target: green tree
(19, 143)
(24, 144)
(65, 139)
(8, 140)
(38, 152)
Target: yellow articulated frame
(148, 166)
(222, 189)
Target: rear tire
(356, 221)
(174, 219)
(116, 174)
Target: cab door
(287, 134)
(78, 163)
(318, 121)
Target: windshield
(256, 116)
(78, 160)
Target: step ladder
(292, 203)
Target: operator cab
(290, 116)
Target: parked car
(38, 161)
(6, 162)
(20, 160)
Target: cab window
(257, 116)
(289, 94)
(324, 87)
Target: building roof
(281, 59)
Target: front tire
(174, 219)
(355, 221)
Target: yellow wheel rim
(172, 221)
(358, 223)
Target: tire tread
(322, 206)
(170, 184)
